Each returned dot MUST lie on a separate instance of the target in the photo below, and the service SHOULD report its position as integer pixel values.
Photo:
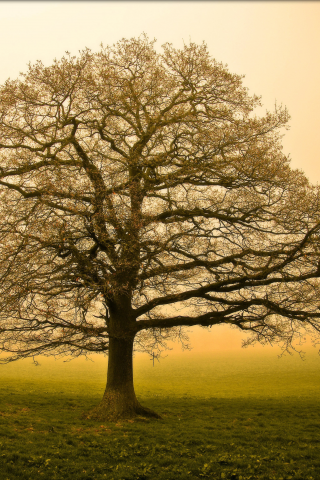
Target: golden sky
(275, 44)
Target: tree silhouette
(139, 195)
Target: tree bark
(119, 399)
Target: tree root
(106, 412)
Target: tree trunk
(119, 399)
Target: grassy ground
(224, 417)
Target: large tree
(139, 195)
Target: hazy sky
(275, 44)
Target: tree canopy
(140, 194)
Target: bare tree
(140, 195)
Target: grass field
(244, 416)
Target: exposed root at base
(103, 413)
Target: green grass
(224, 417)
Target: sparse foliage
(139, 195)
